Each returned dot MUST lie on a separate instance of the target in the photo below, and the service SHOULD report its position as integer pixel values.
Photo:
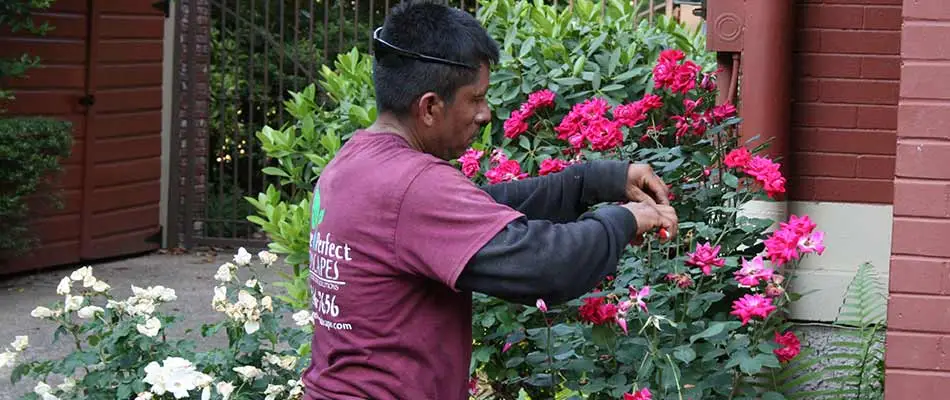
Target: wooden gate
(101, 70)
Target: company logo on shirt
(326, 259)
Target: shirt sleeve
(443, 220)
(563, 196)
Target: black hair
(432, 29)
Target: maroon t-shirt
(392, 229)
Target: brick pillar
(918, 366)
(194, 122)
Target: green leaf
(603, 335)
(275, 172)
(730, 180)
(685, 354)
(715, 329)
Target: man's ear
(431, 108)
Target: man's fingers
(642, 197)
(656, 186)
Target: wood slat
(126, 172)
(58, 52)
(120, 149)
(111, 223)
(131, 27)
(122, 245)
(125, 196)
(116, 100)
(48, 255)
(124, 76)
(51, 76)
(125, 124)
(129, 7)
(45, 102)
(115, 51)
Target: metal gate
(238, 59)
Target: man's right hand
(652, 217)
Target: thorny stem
(676, 378)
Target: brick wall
(194, 122)
(845, 90)
(919, 310)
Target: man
(400, 237)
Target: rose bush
(122, 349)
(701, 316)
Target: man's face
(460, 121)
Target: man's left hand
(643, 185)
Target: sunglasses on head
(383, 46)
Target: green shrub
(30, 152)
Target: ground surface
(190, 275)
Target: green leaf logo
(316, 213)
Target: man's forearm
(533, 259)
(565, 195)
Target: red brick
(926, 9)
(847, 190)
(881, 67)
(922, 198)
(820, 164)
(830, 65)
(877, 167)
(808, 40)
(919, 275)
(925, 42)
(923, 160)
(805, 91)
(859, 92)
(919, 313)
(845, 141)
(900, 385)
(887, 18)
(925, 81)
(877, 117)
(918, 351)
(825, 115)
(923, 120)
(860, 42)
(825, 16)
(924, 237)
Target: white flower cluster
(177, 376)
(294, 389)
(8, 357)
(45, 391)
(246, 310)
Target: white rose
(42, 388)
(164, 294)
(68, 384)
(41, 312)
(267, 258)
(272, 391)
(81, 274)
(248, 372)
(89, 311)
(267, 303)
(151, 327)
(73, 303)
(64, 285)
(20, 343)
(144, 396)
(251, 283)
(225, 389)
(303, 317)
(7, 358)
(89, 281)
(225, 272)
(252, 326)
(242, 258)
(101, 286)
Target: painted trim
(168, 80)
